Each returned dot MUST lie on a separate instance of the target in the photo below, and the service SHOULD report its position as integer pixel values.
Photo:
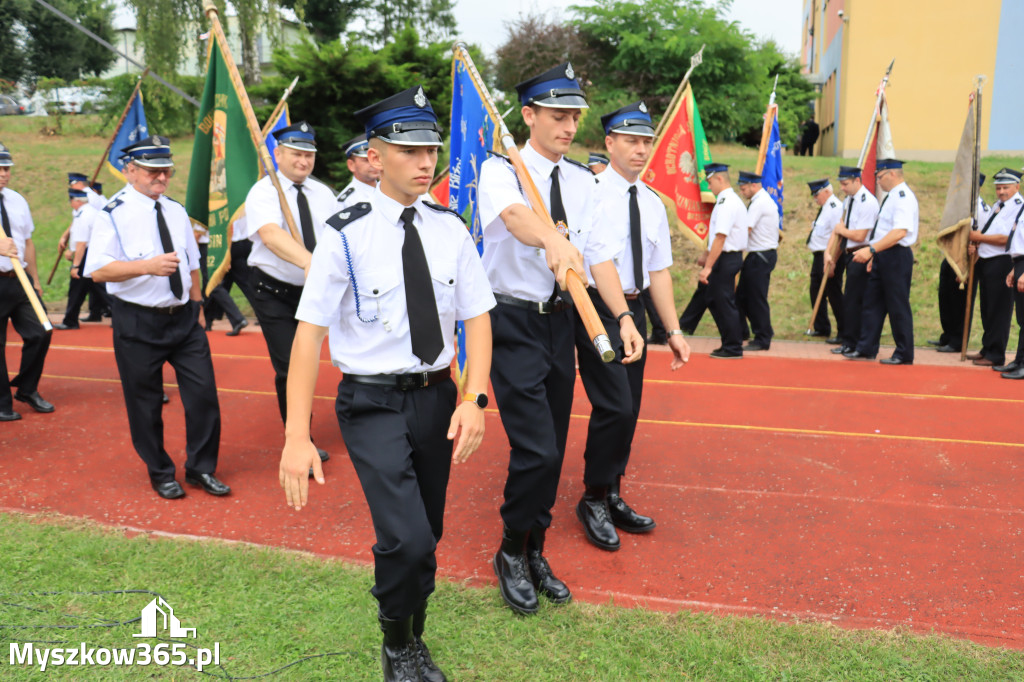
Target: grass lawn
(267, 608)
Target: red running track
(893, 497)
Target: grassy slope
(43, 160)
(268, 608)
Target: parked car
(10, 107)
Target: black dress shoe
(544, 580)
(9, 416)
(946, 349)
(35, 401)
(723, 354)
(1015, 374)
(835, 341)
(511, 567)
(841, 350)
(895, 361)
(1007, 368)
(974, 356)
(815, 333)
(237, 329)
(592, 511)
(63, 326)
(208, 483)
(169, 490)
(91, 318)
(857, 355)
(754, 346)
(165, 399)
(626, 519)
(936, 343)
(323, 454)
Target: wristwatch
(676, 332)
(872, 250)
(478, 399)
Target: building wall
(939, 47)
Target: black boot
(543, 579)
(513, 572)
(398, 652)
(428, 669)
(592, 511)
(622, 516)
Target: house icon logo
(158, 611)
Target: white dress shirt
(21, 226)
(1000, 221)
(898, 212)
(612, 227)
(356, 286)
(82, 220)
(729, 217)
(354, 192)
(126, 230)
(763, 221)
(828, 217)
(263, 207)
(860, 212)
(513, 268)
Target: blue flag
(472, 132)
(281, 122)
(133, 128)
(771, 175)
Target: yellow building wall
(939, 47)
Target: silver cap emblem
(304, 128)
(642, 108)
(420, 99)
(157, 140)
(569, 73)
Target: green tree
(55, 49)
(432, 19)
(339, 79)
(326, 19)
(13, 65)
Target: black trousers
(614, 390)
(144, 339)
(752, 295)
(399, 447)
(722, 300)
(1018, 299)
(888, 293)
(78, 289)
(833, 296)
(996, 305)
(533, 373)
(952, 306)
(853, 299)
(658, 331)
(219, 301)
(275, 303)
(15, 306)
(694, 311)
(240, 272)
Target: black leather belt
(8, 273)
(629, 297)
(542, 307)
(276, 286)
(403, 382)
(1017, 258)
(167, 310)
(854, 249)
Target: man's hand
(75, 272)
(164, 265)
(975, 236)
(296, 460)
(863, 255)
(680, 351)
(562, 255)
(8, 247)
(972, 248)
(1020, 283)
(466, 430)
(62, 243)
(702, 259)
(632, 340)
(1009, 279)
(704, 274)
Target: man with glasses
(890, 266)
(143, 246)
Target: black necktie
(168, 246)
(557, 209)
(634, 240)
(811, 233)
(995, 212)
(424, 325)
(3, 216)
(305, 220)
(875, 226)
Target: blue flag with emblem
(771, 176)
(472, 134)
(283, 121)
(133, 128)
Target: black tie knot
(407, 216)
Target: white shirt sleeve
(499, 189)
(473, 294)
(327, 282)
(661, 254)
(104, 246)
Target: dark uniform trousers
(614, 391)
(996, 305)
(398, 442)
(722, 300)
(694, 311)
(15, 306)
(78, 289)
(533, 373)
(952, 306)
(1018, 299)
(658, 331)
(144, 339)
(853, 299)
(888, 293)
(275, 303)
(239, 273)
(833, 295)
(752, 295)
(219, 301)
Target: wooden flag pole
(969, 310)
(277, 110)
(574, 283)
(117, 128)
(695, 61)
(250, 117)
(26, 285)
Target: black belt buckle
(410, 382)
